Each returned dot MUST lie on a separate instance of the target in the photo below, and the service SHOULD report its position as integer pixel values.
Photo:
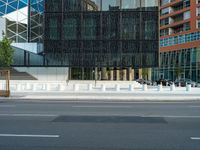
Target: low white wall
(46, 73)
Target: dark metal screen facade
(101, 33)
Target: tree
(6, 52)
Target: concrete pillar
(133, 74)
(104, 74)
(111, 74)
(140, 73)
(99, 75)
(149, 73)
(124, 74)
(117, 74)
(96, 73)
(130, 72)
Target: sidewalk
(180, 95)
(103, 90)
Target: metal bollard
(76, 87)
(103, 87)
(144, 87)
(188, 87)
(160, 88)
(131, 87)
(117, 87)
(89, 87)
(172, 87)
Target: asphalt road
(90, 125)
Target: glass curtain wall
(101, 33)
(183, 63)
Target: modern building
(102, 39)
(179, 40)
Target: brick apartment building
(179, 40)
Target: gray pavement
(99, 125)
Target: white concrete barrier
(172, 87)
(144, 87)
(90, 87)
(61, 87)
(188, 87)
(76, 87)
(117, 87)
(160, 87)
(131, 87)
(29, 87)
(103, 87)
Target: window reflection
(92, 5)
(110, 5)
(130, 4)
(149, 4)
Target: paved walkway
(151, 95)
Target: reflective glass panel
(110, 5)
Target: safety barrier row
(45, 87)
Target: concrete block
(160, 87)
(103, 87)
(188, 87)
(117, 87)
(90, 87)
(131, 87)
(172, 87)
(76, 87)
(144, 87)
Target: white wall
(46, 73)
(2, 26)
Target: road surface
(91, 125)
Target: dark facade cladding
(101, 33)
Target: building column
(133, 74)
(149, 73)
(104, 74)
(117, 74)
(140, 74)
(124, 74)
(130, 73)
(95, 73)
(111, 74)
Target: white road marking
(29, 135)
(102, 106)
(28, 115)
(194, 106)
(195, 138)
(169, 116)
(7, 106)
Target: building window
(186, 26)
(164, 32)
(195, 36)
(186, 3)
(198, 11)
(53, 26)
(130, 4)
(164, 11)
(164, 2)
(198, 1)
(110, 5)
(164, 22)
(186, 15)
(198, 23)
